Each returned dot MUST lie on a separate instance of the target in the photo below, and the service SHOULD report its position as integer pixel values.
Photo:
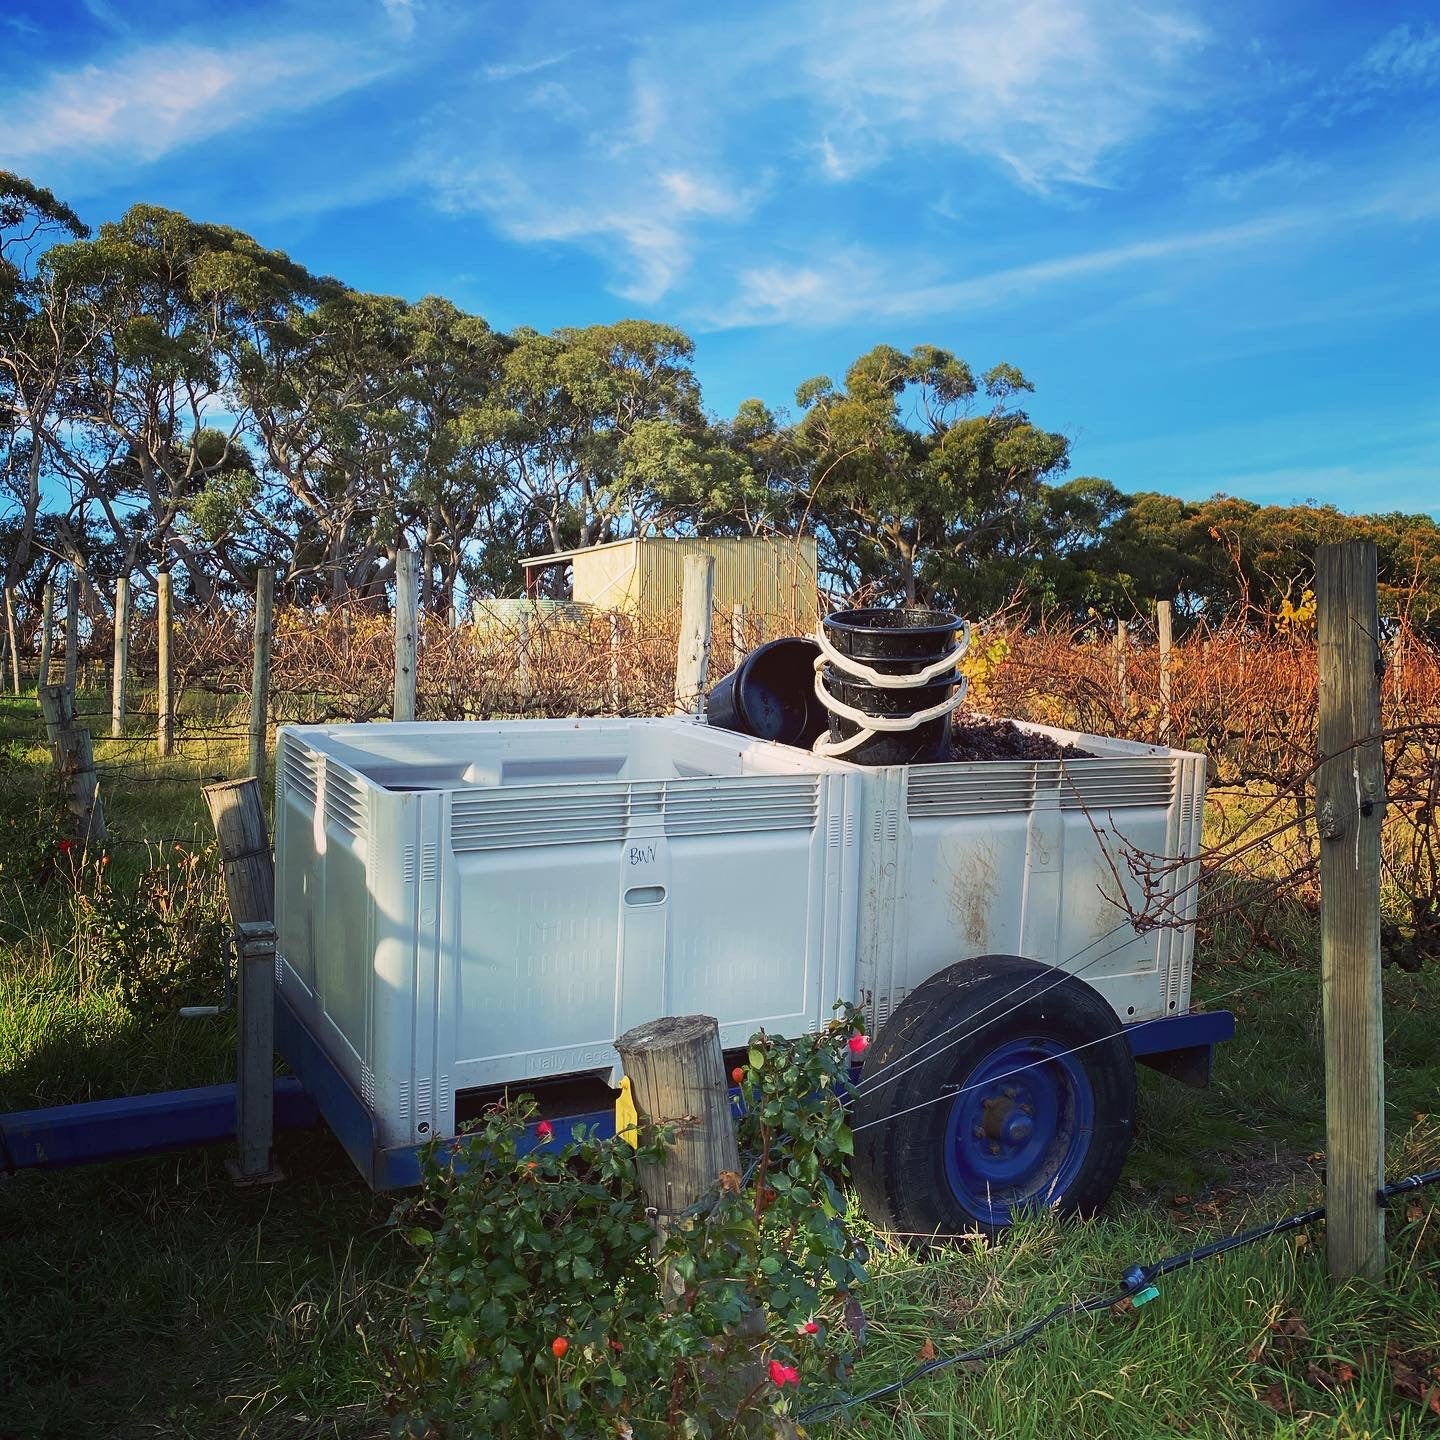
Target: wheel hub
(1018, 1129)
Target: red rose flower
(858, 1044)
(543, 1131)
(783, 1375)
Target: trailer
(467, 907)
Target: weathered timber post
(406, 627)
(523, 679)
(120, 673)
(692, 661)
(737, 634)
(72, 627)
(47, 634)
(1349, 808)
(1122, 680)
(615, 662)
(1163, 622)
(164, 699)
(13, 633)
(238, 814)
(75, 761)
(677, 1079)
(260, 672)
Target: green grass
(153, 1298)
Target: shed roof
(555, 557)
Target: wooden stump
(75, 760)
(244, 840)
(677, 1078)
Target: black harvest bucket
(771, 694)
(905, 642)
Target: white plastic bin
(462, 905)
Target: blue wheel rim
(1017, 1134)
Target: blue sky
(1209, 233)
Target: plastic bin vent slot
(430, 863)
(539, 815)
(1116, 785)
(344, 802)
(409, 865)
(707, 807)
(298, 769)
(948, 792)
(1187, 808)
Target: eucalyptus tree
(913, 482)
(604, 429)
(156, 437)
(37, 343)
(378, 418)
(461, 465)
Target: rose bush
(538, 1309)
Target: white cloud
(1402, 57)
(514, 69)
(642, 152)
(621, 170)
(1049, 89)
(855, 284)
(402, 16)
(161, 98)
(1402, 61)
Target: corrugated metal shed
(776, 577)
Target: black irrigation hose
(1138, 1280)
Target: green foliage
(539, 1310)
(355, 423)
(159, 938)
(915, 490)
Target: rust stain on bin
(972, 892)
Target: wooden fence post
(737, 634)
(406, 626)
(164, 698)
(120, 675)
(523, 677)
(12, 631)
(615, 662)
(260, 671)
(1163, 622)
(1350, 805)
(696, 618)
(75, 760)
(47, 635)
(676, 1071)
(238, 812)
(72, 627)
(1122, 681)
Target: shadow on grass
(153, 1297)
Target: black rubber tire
(900, 1167)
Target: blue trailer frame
(136, 1125)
